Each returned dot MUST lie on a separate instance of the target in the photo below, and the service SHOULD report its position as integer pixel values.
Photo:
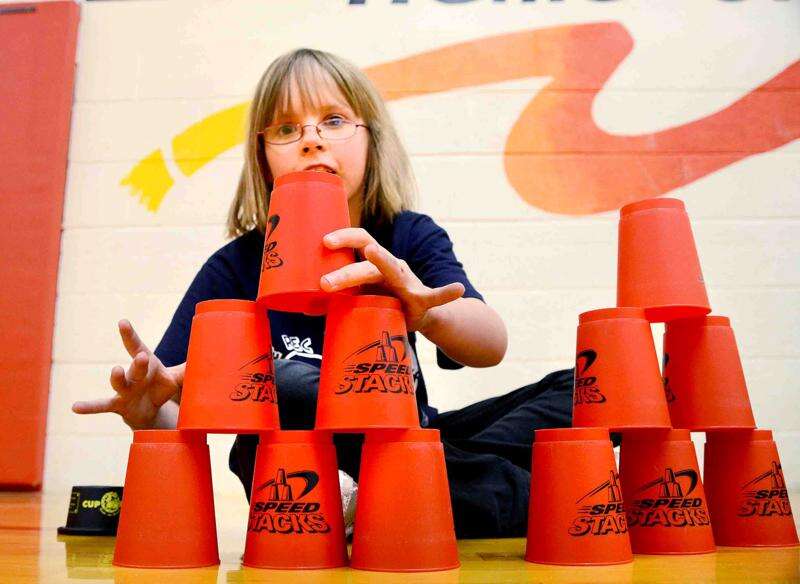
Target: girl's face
(346, 158)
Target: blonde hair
(388, 181)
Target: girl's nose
(310, 139)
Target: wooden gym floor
(31, 551)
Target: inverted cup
(617, 380)
(657, 264)
(229, 384)
(366, 375)
(296, 520)
(576, 514)
(664, 497)
(746, 490)
(404, 518)
(93, 510)
(303, 208)
(703, 375)
(167, 520)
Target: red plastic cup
(366, 375)
(703, 375)
(167, 520)
(230, 379)
(303, 208)
(576, 515)
(617, 380)
(746, 490)
(657, 266)
(664, 498)
(296, 520)
(404, 518)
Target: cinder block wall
(148, 70)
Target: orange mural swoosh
(556, 157)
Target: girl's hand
(142, 390)
(381, 267)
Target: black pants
(487, 446)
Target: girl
(315, 111)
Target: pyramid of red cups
(582, 511)
(403, 519)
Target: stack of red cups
(618, 387)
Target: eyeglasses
(331, 129)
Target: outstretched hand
(142, 389)
(381, 267)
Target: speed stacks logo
(255, 382)
(380, 366)
(765, 495)
(286, 505)
(586, 389)
(669, 501)
(602, 512)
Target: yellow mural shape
(149, 180)
(193, 148)
(202, 142)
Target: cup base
(165, 566)
(405, 570)
(759, 545)
(616, 563)
(670, 312)
(311, 302)
(361, 428)
(705, 428)
(228, 429)
(290, 568)
(676, 553)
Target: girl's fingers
(445, 294)
(394, 271)
(347, 237)
(133, 344)
(138, 369)
(96, 406)
(118, 380)
(351, 275)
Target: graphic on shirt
(765, 495)
(586, 390)
(379, 366)
(257, 381)
(276, 509)
(296, 347)
(604, 516)
(271, 258)
(667, 389)
(668, 503)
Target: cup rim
(698, 321)
(350, 301)
(659, 435)
(733, 435)
(294, 437)
(611, 314)
(402, 435)
(307, 176)
(225, 305)
(654, 203)
(571, 434)
(169, 437)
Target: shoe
(349, 489)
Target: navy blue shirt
(234, 271)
